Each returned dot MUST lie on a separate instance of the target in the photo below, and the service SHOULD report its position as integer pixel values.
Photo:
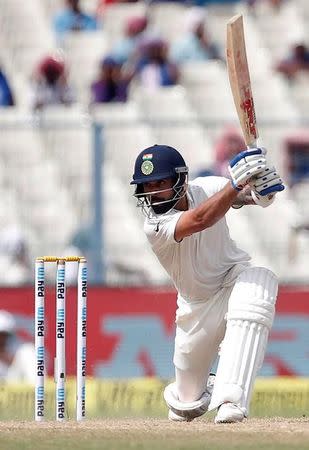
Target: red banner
(131, 331)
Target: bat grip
(252, 144)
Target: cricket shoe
(229, 413)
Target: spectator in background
(103, 5)
(6, 96)
(111, 85)
(229, 143)
(251, 4)
(297, 61)
(196, 44)
(265, 5)
(17, 361)
(72, 18)
(153, 67)
(296, 158)
(279, 10)
(50, 85)
(133, 32)
(14, 257)
(227, 146)
(275, 4)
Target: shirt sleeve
(161, 233)
(211, 184)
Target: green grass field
(156, 434)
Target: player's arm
(242, 168)
(206, 214)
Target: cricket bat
(240, 79)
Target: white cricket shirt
(199, 265)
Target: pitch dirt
(156, 434)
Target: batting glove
(265, 186)
(266, 182)
(246, 165)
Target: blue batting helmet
(157, 163)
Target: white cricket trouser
(200, 329)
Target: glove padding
(265, 201)
(266, 182)
(265, 186)
(246, 165)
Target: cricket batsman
(222, 300)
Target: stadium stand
(46, 158)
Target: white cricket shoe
(229, 413)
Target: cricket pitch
(156, 434)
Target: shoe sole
(230, 420)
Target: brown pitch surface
(156, 434)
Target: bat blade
(239, 77)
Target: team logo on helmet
(147, 167)
(147, 156)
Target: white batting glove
(265, 201)
(265, 186)
(266, 182)
(246, 165)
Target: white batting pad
(249, 319)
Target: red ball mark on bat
(248, 106)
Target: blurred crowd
(141, 57)
(15, 261)
(17, 356)
(140, 54)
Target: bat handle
(253, 144)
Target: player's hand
(265, 186)
(267, 182)
(246, 165)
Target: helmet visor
(151, 199)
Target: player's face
(162, 195)
(162, 189)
